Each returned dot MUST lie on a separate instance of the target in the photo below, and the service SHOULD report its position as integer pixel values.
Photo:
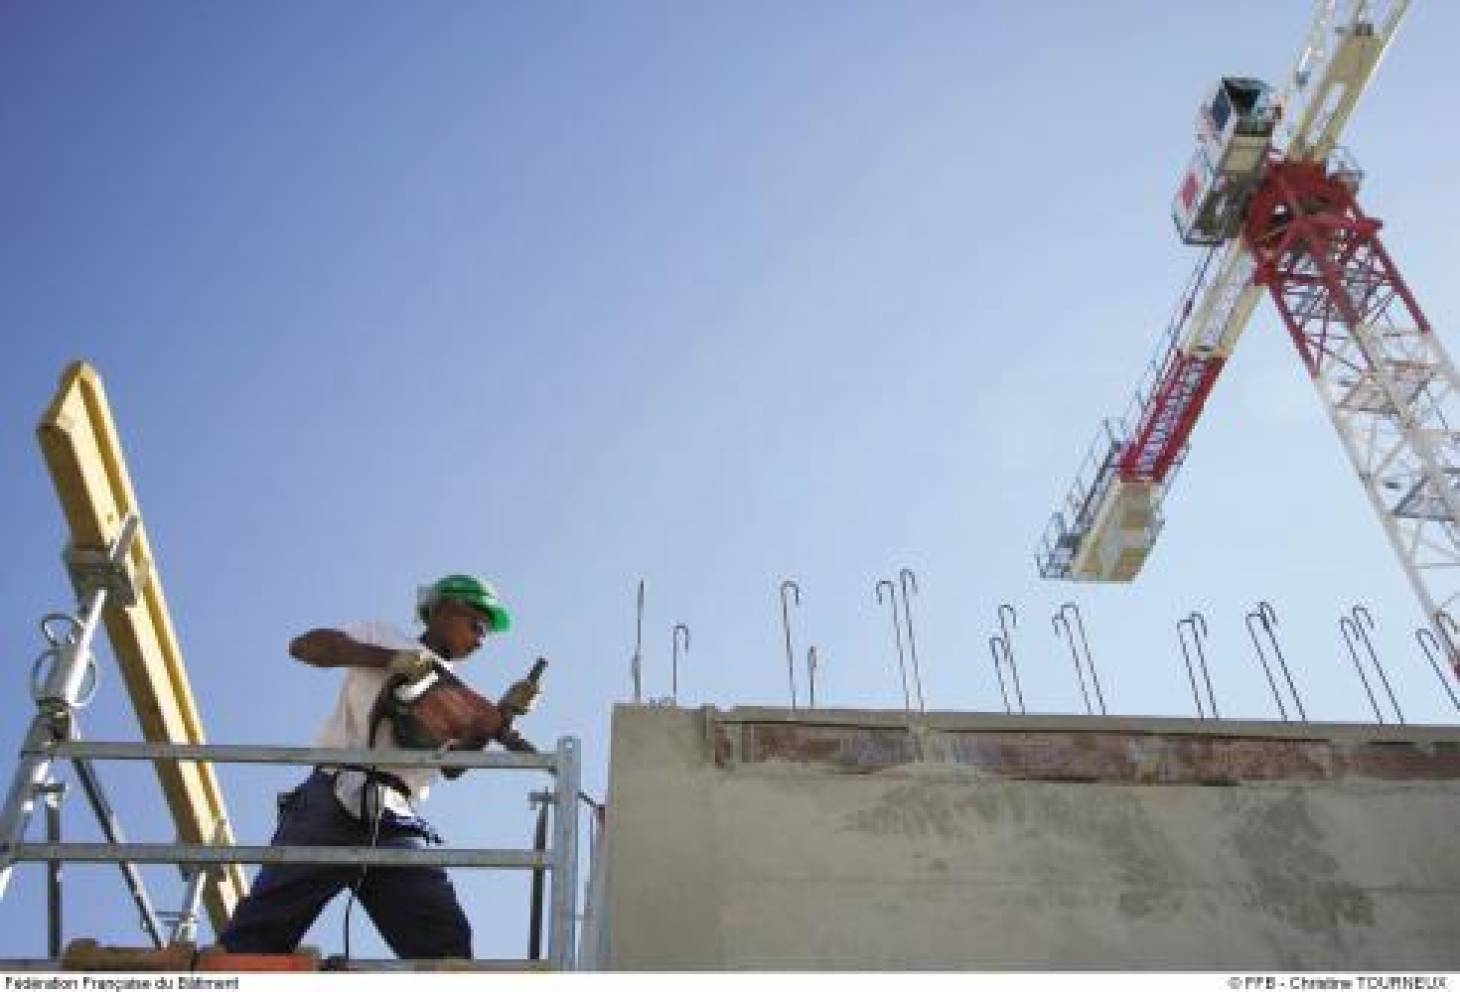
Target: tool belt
(373, 777)
(374, 810)
(447, 714)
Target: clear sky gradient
(711, 295)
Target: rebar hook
(1007, 642)
(1265, 615)
(903, 575)
(1345, 625)
(1060, 619)
(897, 635)
(1056, 621)
(1089, 656)
(1267, 619)
(1361, 616)
(1013, 619)
(674, 673)
(1199, 632)
(786, 626)
(1420, 636)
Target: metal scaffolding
(61, 683)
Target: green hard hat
(473, 592)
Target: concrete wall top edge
(1069, 722)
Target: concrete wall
(760, 839)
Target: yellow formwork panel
(84, 455)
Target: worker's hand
(520, 697)
(515, 742)
(413, 664)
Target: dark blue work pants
(414, 907)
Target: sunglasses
(478, 622)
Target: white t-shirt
(349, 724)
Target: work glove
(519, 698)
(412, 664)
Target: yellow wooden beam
(84, 455)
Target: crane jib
(1269, 192)
(1169, 416)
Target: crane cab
(1233, 133)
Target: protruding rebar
(1190, 672)
(789, 584)
(1270, 621)
(1346, 627)
(1266, 618)
(674, 670)
(1450, 633)
(636, 666)
(1199, 632)
(811, 665)
(999, 649)
(1262, 660)
(1353, 631)
(1061, 619)
(1007, 640)
(903, 576)
(1089, 657)
(897, 635)
(1421, 635)
(1058, 621)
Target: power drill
(509, 737)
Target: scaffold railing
(62, 683)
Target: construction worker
(414, 908)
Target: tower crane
(1270, 199)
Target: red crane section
(1169, 415)
(1321, 259)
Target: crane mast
(1270, 196)
(1380, 372)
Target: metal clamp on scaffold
(108, 570)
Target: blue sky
(711, 295)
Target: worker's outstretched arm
(325, 648)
